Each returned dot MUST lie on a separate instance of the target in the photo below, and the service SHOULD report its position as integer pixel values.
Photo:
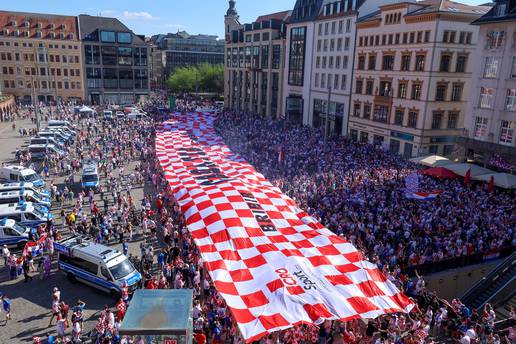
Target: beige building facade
(412, 74)
(491, 117)
(40, 57)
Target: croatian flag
(35, 247)
(280, 155)
(423, 196)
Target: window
(356, 109)
(109, 56)
(265, 56)
(124, 37)
(348, 25)
(345, 62)
(367, 111)
(513, 69)
(125, 78)
(445, 63)
(319, 31)
(108, 36)
(343, 81)
(416, 91)
(446, 36)
(437, 118)
(388, 62)
(460, 66)
(510, 101)
(440, 92)
(398, 116)
(420, 63)
(125, 56)
(402, 90)
(256, 57)
(480, 127)
(346, 43)
(140, 56)
(276, 56)
(339, 44)
(507, 132)
(372, 62)
(316, 82)
(337, 62)
(412, 119)
(457, 92)
(110, 77)
(453, 118)
(385, 89)
(359, 86)
(486, 97)
(361, 62)
(336, 82)
(394, 146)
(491, 66)
(381, 114)
(405, 62)
(500, 10)
(369, 87)
(495, 39)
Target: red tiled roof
(278, 16)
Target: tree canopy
(203, 78)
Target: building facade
(40, 57)
(254, 64)
(320, 48)
(116, 63)
(413, 68)
(491, 117)
(181, 49)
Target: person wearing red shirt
(120, 309)
(200, 338)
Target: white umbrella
(462, 169)
(432, 161)
(502, 180)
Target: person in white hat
(5, 253)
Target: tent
(432, 161)
(86, 111)
(502, 180)
(439, 172)
(462, 169)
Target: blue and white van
(26, 213)
(96, 265)
(13, 234)
(24, 196)
(90, 176)
(25, 186)
(20, 174)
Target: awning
(439, 172)
(432, 161)
(502, 180)
(462, 169)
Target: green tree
(202, 78)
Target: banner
(274, 265)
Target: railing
(457, 262)
(471, 296)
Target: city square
(333, 172)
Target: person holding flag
(121, 308)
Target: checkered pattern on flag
(274, 265)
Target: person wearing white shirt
(5, 253)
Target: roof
(277, 16)
(45, 16)
(88, 24)
(493, 17)
(432, 6)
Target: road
(31, 302)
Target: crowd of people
(356, 190)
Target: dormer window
(16, 33)
(52, 26)
(52, 35)
(70, 36)
(61, 36)
(26, 33)
(38, 34)
(500, 10)
(39, 25)
(63, 26)
(26, 24)
(13, 23)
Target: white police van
(20, 174)
(62, 124)
(23, 195)
(25, 186)
(108, 115)
(26, 213)
(90, 175)
(13, 234)
(96, 265)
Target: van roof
(5, 222)
(15, 207)
(14, 192)
(83, 246)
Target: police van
(13, 234)
(90, 175)
(26, 213)
(108, 115)
(20, 174)
(62, 124)
(96, 265)
(23, 195)
(26, 186)
(40, 151)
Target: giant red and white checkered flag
(274, 265)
